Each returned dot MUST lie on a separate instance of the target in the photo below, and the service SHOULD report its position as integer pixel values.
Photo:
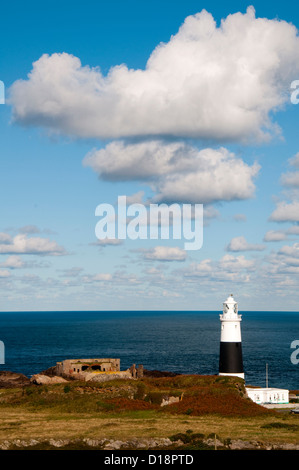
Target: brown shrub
(222, 403)
(125, 404)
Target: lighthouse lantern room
(230, 358)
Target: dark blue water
(185, 342)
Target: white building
(268, 395)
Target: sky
(165, 102)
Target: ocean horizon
(185, 342)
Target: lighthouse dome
(230, 300)
(230, 307)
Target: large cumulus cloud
(209, 82)
(177, 171)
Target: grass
(124, 409)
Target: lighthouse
(230, 358)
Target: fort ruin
(98, 369)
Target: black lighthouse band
(230, 358)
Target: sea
(174, 341)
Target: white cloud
(240, 217)
(291, 251)
(165, 253)
(240, 244)
(228, 268)
(286, 212)
(234, 264)
(108, 242)
(5, 238)
(285, 261)
(100, 277)
(177, 171)
(13, 262)
(30, 229)
(72, 272)
(21, 244)
(275, 236)
(289, 211)
(294, 161)
(201, 269)
(136, 198)
(103, 277)
(293, 230)
(290, 179)
(209, 82)
(4, 273)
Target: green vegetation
(279, 425)
(126, 409)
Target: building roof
(265, 389)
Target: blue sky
(55, 117)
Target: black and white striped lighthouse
(230, 358)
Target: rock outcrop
(40, 379)
(13, 380)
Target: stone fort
(98, 370)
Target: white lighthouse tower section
(230, 360)
(230, 322)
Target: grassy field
(125, 409)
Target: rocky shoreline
(10, 379)
(139, 444)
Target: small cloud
(293, 230)
(4, 273)
(29, 229)
(21, 244)
(5, 239)
(108, 242)
(13, 262)
(240, 217)
(291, 251)
(136, 198)
(294, 161)
(100, 277)
(72, 272)
(240, 244)
(275, 236)
(290, 179)
(164, 253)
(286, 212)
